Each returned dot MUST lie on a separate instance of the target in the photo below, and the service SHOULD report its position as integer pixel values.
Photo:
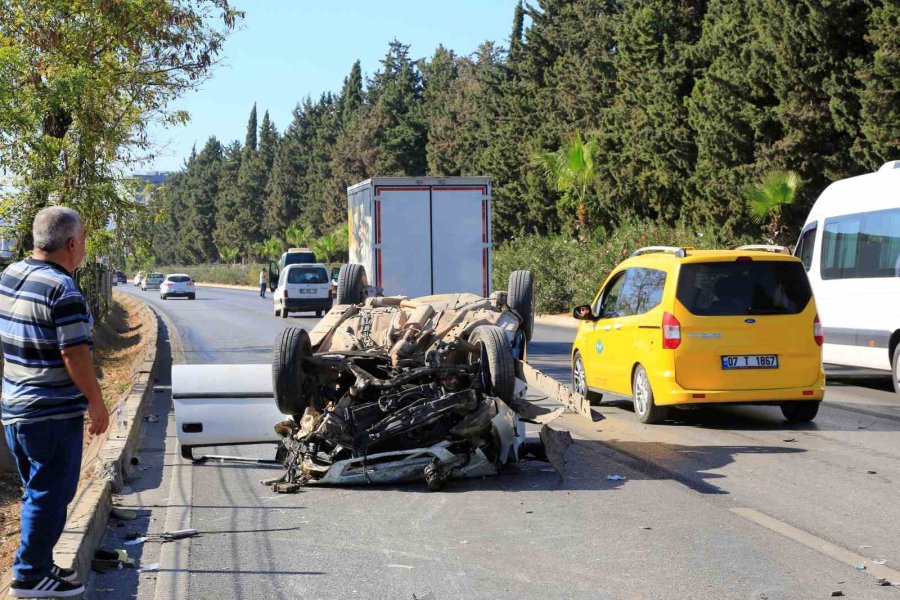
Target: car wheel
(162, 297)
(351, 287)
(520, 297)
(319, 314)
(497, 365)
(293, 393)
(191, 296)
(800, 411)
(277, 312)
(642, 396)
(895, 365)
(579, 380)
(284, 313)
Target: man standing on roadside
(263, 281)
(48, 382)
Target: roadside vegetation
(569, 271)
(590, 116)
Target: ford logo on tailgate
(749, 321)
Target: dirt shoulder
(119, 344)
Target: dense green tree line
(685, 103)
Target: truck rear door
(403, 240)
(460, 242)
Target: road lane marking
(818, 544)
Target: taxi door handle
(607, 327)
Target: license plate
(750, 361)
(307, 291)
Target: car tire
(162, 297)
(319, 314)
(288, 378)
(642, 396)
(351, 286)
(579, 380)
(277, 312)
(520, 297)
(284, 313)
(499, 379)
(895, 368)
(800, 411)
(191, 296)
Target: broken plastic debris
(393, 566)
(615, 478)
(180, 534)
(123, 514)
(149, 568)
(837, 593)
(879, 561)
(136, 541)
(151, 418)
(860, 567)
(790, 439)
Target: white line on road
(818, 544)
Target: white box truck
(418, 236)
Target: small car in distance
(177, 285)
(302, 287)
(120, 277)
(152, 281)
(675, 326)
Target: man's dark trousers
(48, 454)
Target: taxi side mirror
(583, 312)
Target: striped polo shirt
(42, 311)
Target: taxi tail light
(671, 330)
(190, 283)
(818, 334)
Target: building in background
(150, 180)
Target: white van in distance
(850, 246)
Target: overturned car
(385, 389)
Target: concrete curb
(557, 320)
(89, 512)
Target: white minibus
(850, 246)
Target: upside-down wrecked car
(384, 389)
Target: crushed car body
(393, 389)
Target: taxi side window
(608, 302)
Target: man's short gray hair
(53, 227)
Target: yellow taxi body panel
(612, 346)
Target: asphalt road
(723, 503)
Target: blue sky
(288, 49)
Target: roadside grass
(224, 274)
(118, 341)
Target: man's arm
(80, 365)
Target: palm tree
(768, 198)
(325, 247)
(269, 249)
(228, 253)
(571, 171)
(297, 237)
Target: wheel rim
(580, 378)
(640, 392)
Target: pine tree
(879, 96)
(228, 232)
(202, 188)
(352, 93)
(268, 143)
(250, 140)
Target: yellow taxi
(676, 326)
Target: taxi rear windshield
(744, 287)
(307, 275)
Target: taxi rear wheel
(642, 396)
(895, 363)
(801, 410)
